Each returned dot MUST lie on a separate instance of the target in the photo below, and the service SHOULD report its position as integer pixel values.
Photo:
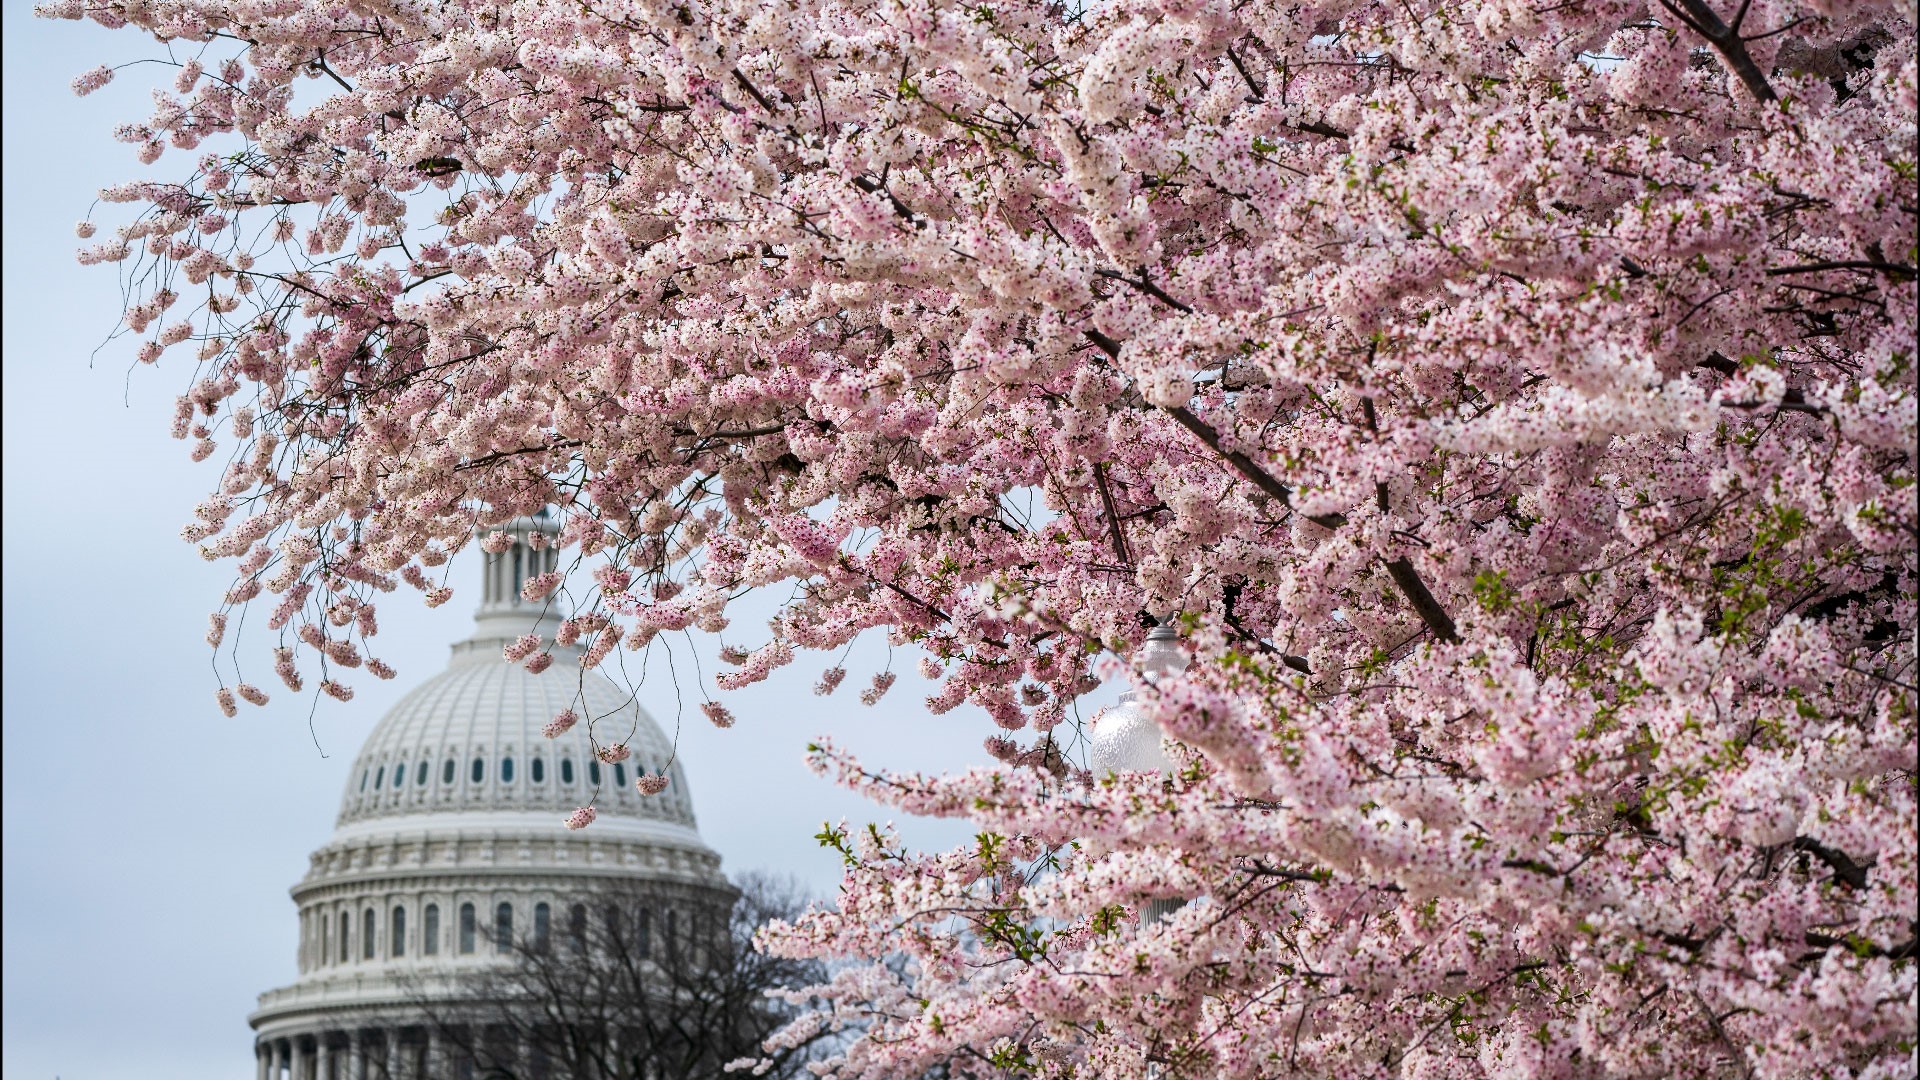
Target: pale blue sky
(149, 842)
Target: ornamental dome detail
(469, 741)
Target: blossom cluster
(1512, 405)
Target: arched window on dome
(542, 929)
(619, 776)
(364, 773)
(577, 926)
(468, 928)
(346, 950)
(593, 773)
(673, 936)
(369, 929)
(399, 773)
(326, 939)
(566, 770)
(379, 775)
(420, 774)
(503, 927)
(643, 929)
(430, 930)
(446, 774)
(479, 770)
(398, 930)
(506, 770)
(539, 772)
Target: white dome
(468, 741)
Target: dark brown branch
(943, 616)
(1258, 94)
(319, 64)
(872, 187)
(1791, 400)
(1896, 270)
(1315, 127)
(1247, 467)
(1141, 283)
(1401, 570)
(1845, 870)
(1104, 343)
(501, 455)
(1425, 604)
(755, 91)
(1900, 950)
(1120, 550)
(1727, 42)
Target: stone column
(393, 1054)
(357, 1054)
(261, 1061)
(322, 1058)
(281, 1057)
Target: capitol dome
(450, 843)
(468, 741)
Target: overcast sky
(149, 842)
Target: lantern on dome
(1125, 738)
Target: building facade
(450, 847)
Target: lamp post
(1126, 739)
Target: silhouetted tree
(632, 981)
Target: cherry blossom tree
(1511, 403)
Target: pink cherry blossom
(562, 723)
(92, 80)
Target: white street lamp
(1126, 739)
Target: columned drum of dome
(462, 839)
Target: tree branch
(1141, 283)
(1120, 550)
(748, 86)
(1247, 467)
(1401, 570)
(1845, 870)
(1727, 41)
(1425, 604)
(1893, 270)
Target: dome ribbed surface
(483, 715)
